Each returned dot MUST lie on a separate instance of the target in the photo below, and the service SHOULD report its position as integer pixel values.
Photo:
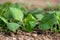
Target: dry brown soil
(29, 36)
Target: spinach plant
(15, 16)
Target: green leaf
(16, 13)
(29, 23)
(44, 26)
(58, 14)
(32, 23)
(30, 17)
(47, 22)
(29, 26)
(13, 26)
(39, 16)
(7, 14)
(3, 19)
(58, 18)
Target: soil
(20, 35)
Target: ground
(29, 36)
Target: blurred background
(41, 3)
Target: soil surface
(29, 36)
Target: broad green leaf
(39, 16)
(29, 26)
(48, 18)
(13, 26)
(30, 17)
(7, 14)
(47, 21)
(32, 23)
(3, 19)
(44, 26)
(16, 13)
(58, 14)
(5, 10)
(29, 23)
(58, 18)
(2, 23)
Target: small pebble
(34, 35)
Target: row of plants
(14, 16)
